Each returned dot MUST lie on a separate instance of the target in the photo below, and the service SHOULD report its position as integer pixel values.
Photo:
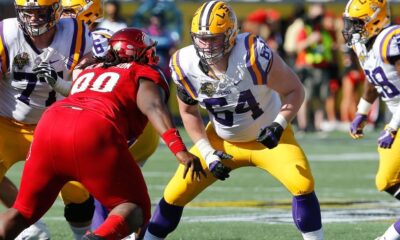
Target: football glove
(217, 168)
(357, 125)
(386, 138)
(270, 135)
(45, 72)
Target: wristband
(363, 106)
(173, 140)
(281, 120)
(206, 151)
(62, 86)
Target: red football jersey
(112, 93)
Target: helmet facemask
(210, 47)
(354, 31)
(37, 20)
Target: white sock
(391, 234)
(149, 236)
(79, 231)
(315, 235)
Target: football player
(141, 148)
(34, 36)
(368, 31)
(118, 96)
(239, 81)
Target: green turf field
(252, 205)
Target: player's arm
(151, 101)
(194, 126)
(389, 133)
(284, 81)
(369, 95)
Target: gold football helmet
(366, 18)
(37, 16)
(212, 21)
(85, 10)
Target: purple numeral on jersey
(30, 87)
(378, 78)
(246, 102)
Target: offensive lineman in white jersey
(36, 37)
(239, 81)
(368, 32)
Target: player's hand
(192, 164)
(357, 126)
(217, 168)
(270, 135)
(45, 72)
(386, 138)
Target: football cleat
(37, 231)
(92, 236)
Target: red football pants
(81, 145)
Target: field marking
(342, 157)
(278, 212)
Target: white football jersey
(22, 96)
(239, 104)
(378, 65)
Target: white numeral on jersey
(103, 83)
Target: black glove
(270, 135)
(217, 168)
(45, 72)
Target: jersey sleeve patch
(258, 55)
(180, 77)
(390, 45)
(4, 60)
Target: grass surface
(253, 205)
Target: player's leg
(39, 185)
(112, 177)
(387, 179)
(181, 191)
(140, 150)
(78, 208)
(8, 192)
(15, 139)
(288, 164)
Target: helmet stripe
(205, 15)
(346, 11)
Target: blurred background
(328, 70)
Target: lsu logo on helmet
(213, 19)
(366, 18)
(47, 14)
(88, 11)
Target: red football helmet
(132, 44)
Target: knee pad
(79, 212)
(394, 191)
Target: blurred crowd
(311, 41)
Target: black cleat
(92, 236)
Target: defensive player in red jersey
(83, 138)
